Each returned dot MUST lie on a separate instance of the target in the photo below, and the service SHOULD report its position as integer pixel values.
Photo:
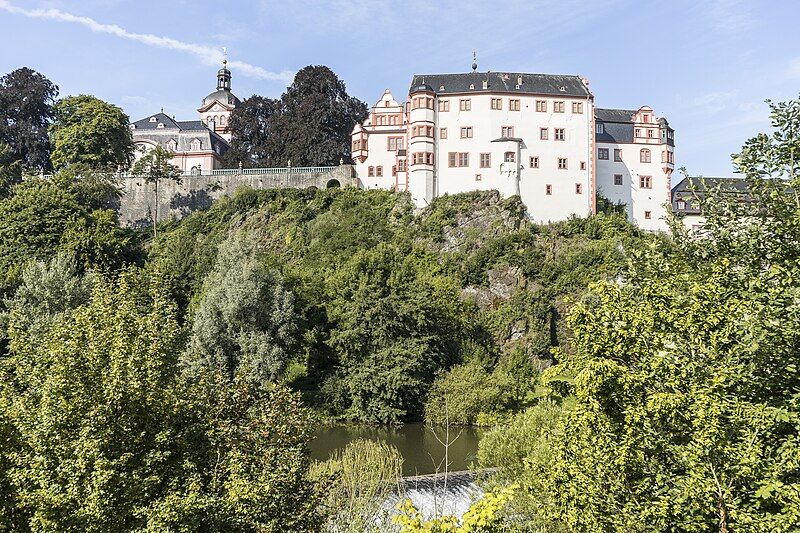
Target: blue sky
(707, 66)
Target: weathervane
(224, 56)
(474, 60)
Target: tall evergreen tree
(317, 119)
(249, 124)
(26, 111)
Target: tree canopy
(89, 131)
(26, 112)
(250, 131)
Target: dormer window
(472, 86)
(172, 145)
(160, 126)
(196, 144)
(153, 119)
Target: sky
(706, 66)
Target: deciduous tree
(250, 131)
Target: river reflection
(421, 452)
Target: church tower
(217, 107)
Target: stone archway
(333, 184)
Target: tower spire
(474, 61)
(224, 75)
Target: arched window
(196, 144)
(196, 170)
(222, 120)
(172, 145)
(644, 155)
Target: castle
(539, 136)
(536, 135)
(198, 145)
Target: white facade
(526, 134)
(635, 160)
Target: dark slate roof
(692, 187)
(549, 84)
(191, 125)
(614, 115)
(145, 123)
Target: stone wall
(176, 200)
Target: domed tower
(217, 107)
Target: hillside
(385, 298)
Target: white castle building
(536, 135)
(198, 145)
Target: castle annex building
(198, 145)
(536, 135)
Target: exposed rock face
(503, 281)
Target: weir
(440, 494)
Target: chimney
(519, 80)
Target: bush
(465, 392)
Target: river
(420, 449)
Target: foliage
(109, 436)
(26, 111)
(250, 129)
(316, 119)
(361, 478)
(483, 516)
(466, 391)
(91, 132)
(684, 374)
(245, 322)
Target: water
(422, 453)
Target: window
(543, 134)
(578, 188)
(443, 133)
(513, 105)
(558, 107)
(651, 133)
(395, 143)
(583, 165)
(617, 155)
(617, 179)
(371, 172)
(558, 134)
(394, 171)
(422, 102)
(497, 103)
(466, 132)
(458, 159)
(602, 153)
(534, 161)
(681, 204)
(478, 177)
(422, 131)
(648, 215)
(644, 155)
(645, 118)
(510, 157)
(541, 106)
(645, 182)
(486, 160)
(562, 163)
(637, 132)
(379, 172)
(548, 189)
(444, 105)
(401, 165)
(222, 120)
(507, 131)
(196, 144)
(599, 128)
(577, 108)
(465, 104)
(421, 158)
(172, 145)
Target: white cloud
(716, 101)
(207, 54)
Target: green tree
(686, 410)
(396, 322)
(315, 122)
(108, 435)
(89, 131)
(26, 112)
(245, 322)
(155, 167)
